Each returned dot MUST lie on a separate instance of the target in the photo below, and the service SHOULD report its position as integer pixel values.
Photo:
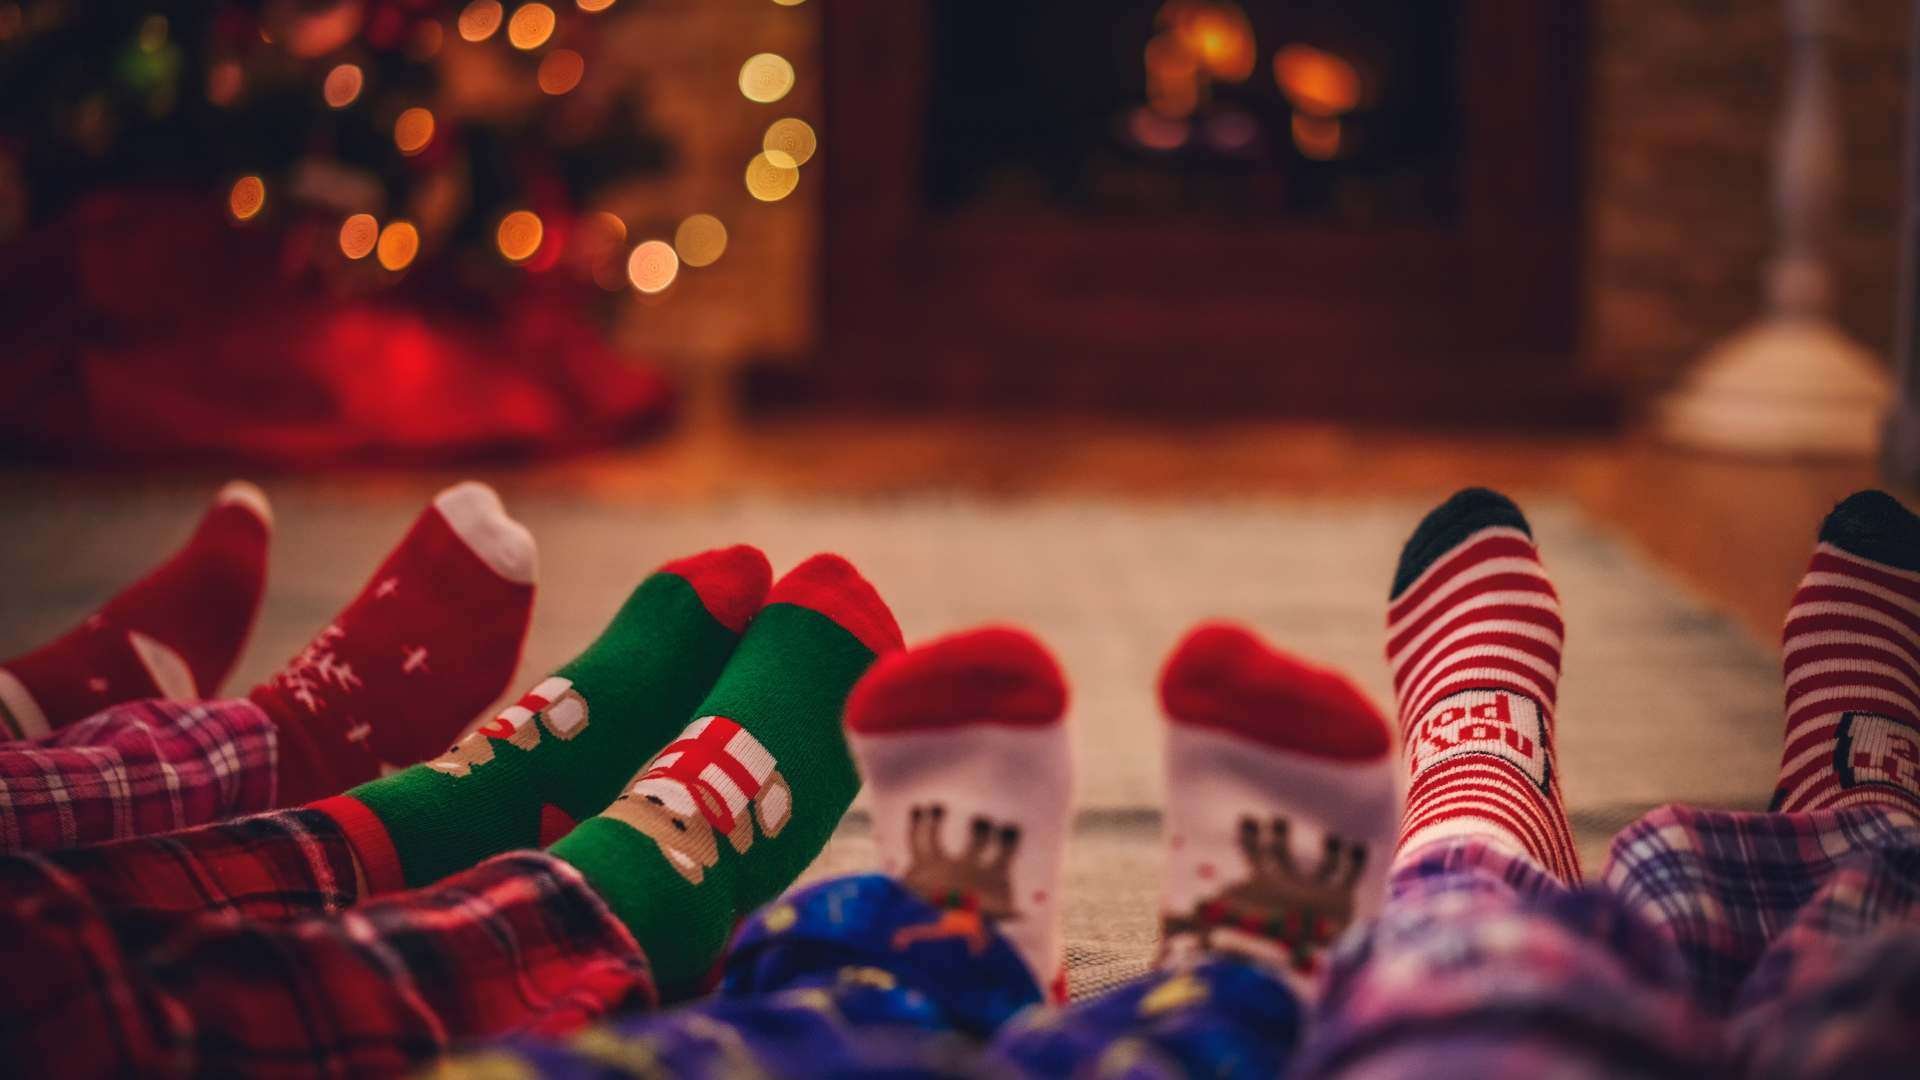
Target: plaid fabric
(1481, 964)
(516, 943)
(1754, 899)
(134, 770)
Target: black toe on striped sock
(1468, 511)
(1873, 525)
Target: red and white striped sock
(1474, 638)
(1851, 658)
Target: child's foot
(1474, 638)
(1851, 654)
(728, 814)
(963, 746)
(430, 641)
(173, 634)
(562, 752)
(1280, 804)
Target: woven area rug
(1662, 700)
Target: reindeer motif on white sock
(716, 779)
(556, 704)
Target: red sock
(431, 641)
(1474, 637)
(1851, 653)
(174, 633)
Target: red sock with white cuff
(175, 633)
(1281, 807)
(432, 639)
(963, 747)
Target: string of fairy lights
(522, 238)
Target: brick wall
(1685, 100)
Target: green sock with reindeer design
(561, 753)
(727, 815)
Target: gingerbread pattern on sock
(175, 633)
(1474, 639)
(727, 815)
(1850, 655)
(430, 641)
(564, 750)
(1269, 756)
(967, 756)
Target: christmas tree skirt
(1108, 585)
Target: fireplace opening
(1284, 110)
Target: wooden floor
(1738, 532)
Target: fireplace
(1352, 208)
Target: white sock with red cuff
(964, 751)
(1474, 638)
(1281, 804)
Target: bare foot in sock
(963, 746)
(1281, 805)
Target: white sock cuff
(474, 512)
(248, 495)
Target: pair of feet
(1284, 816)
(431, 640)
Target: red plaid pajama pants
(136, 769)
(240, 948)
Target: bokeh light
(1215, 33)
(594, 7)
(1316, 81)
(700, 240)
(560, 71)
(358, 234)
(766, 77)
(413, 130)
(789, 142)
(770, 181)
(653, 266)
(248, 198)
(427, 38)
(1317, 137)
(225, 80)
(399, 243)
(789, 3)
(519, 235)
(342, 86)
(479, 20)
(531, 26)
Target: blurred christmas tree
(367, 227)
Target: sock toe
(247, 496)
(993, 675)
(1464, 513)
(830, 585)
(732, 582)
(1223, 677)
(474, 512)
(1874, 525)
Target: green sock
(562, 753)
(729, 814)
